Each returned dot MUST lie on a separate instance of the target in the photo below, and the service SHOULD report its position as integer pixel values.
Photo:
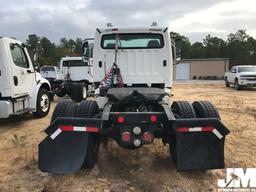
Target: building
(210, 68)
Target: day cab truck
(74, 78)
(133, 106)
(22, 89)
(241, 76)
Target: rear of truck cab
(138, 65)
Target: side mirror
(178, 43)
(176, 51)
(233, 71)
(85, 51)
(36, 59)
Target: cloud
(79, 18)
(220, 19)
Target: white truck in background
(50, 72)
(74, 78)
(22, 89)
(241, 76)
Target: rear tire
(88, 109)
(181, 110)
(78, 92)
(64, 109)
(205, 109)
(61, 93)
(43, 103)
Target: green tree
(48, 54)
(214, 46)
(32, 42)
(185, 44)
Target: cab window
(74, 63)
(18, 56)
(133, 41)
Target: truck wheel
(205, 109)
(78, 92)
(64, 109)
(88, 109)
(181, 109)
(237, 86)
(227, 84)
(61, 92)
(43, 103)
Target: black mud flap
(65, 148)
(200, 144)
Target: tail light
(120, 119)
(153, 118)
(126, 137)
(148, 137)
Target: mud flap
(65, 148)
(200, 144)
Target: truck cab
(73, 68)
(143, 55)
(74, 78)
(22, 89)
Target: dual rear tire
(185, 110)
(86, 109)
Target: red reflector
(126, 137)
(120, 119)
(147, 137)
(66, 128)
(153, 118)
(207, 129)
(183, 129)
(92, 129)
(115, 29)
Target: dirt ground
(146, 169)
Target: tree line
(239, 47)
(50, 53)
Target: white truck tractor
(22, 89)
(241, 76)
(132, 70)
(75, 78)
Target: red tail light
(126, 137)
(153, 118)
(120, 119)
(148, 137)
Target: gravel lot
(146, 169)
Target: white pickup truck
(241, 75)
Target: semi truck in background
(22, 89)
(72, 77)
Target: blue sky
(79, 18)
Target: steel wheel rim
(84, 92)
(44, 102)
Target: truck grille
(252, 76)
